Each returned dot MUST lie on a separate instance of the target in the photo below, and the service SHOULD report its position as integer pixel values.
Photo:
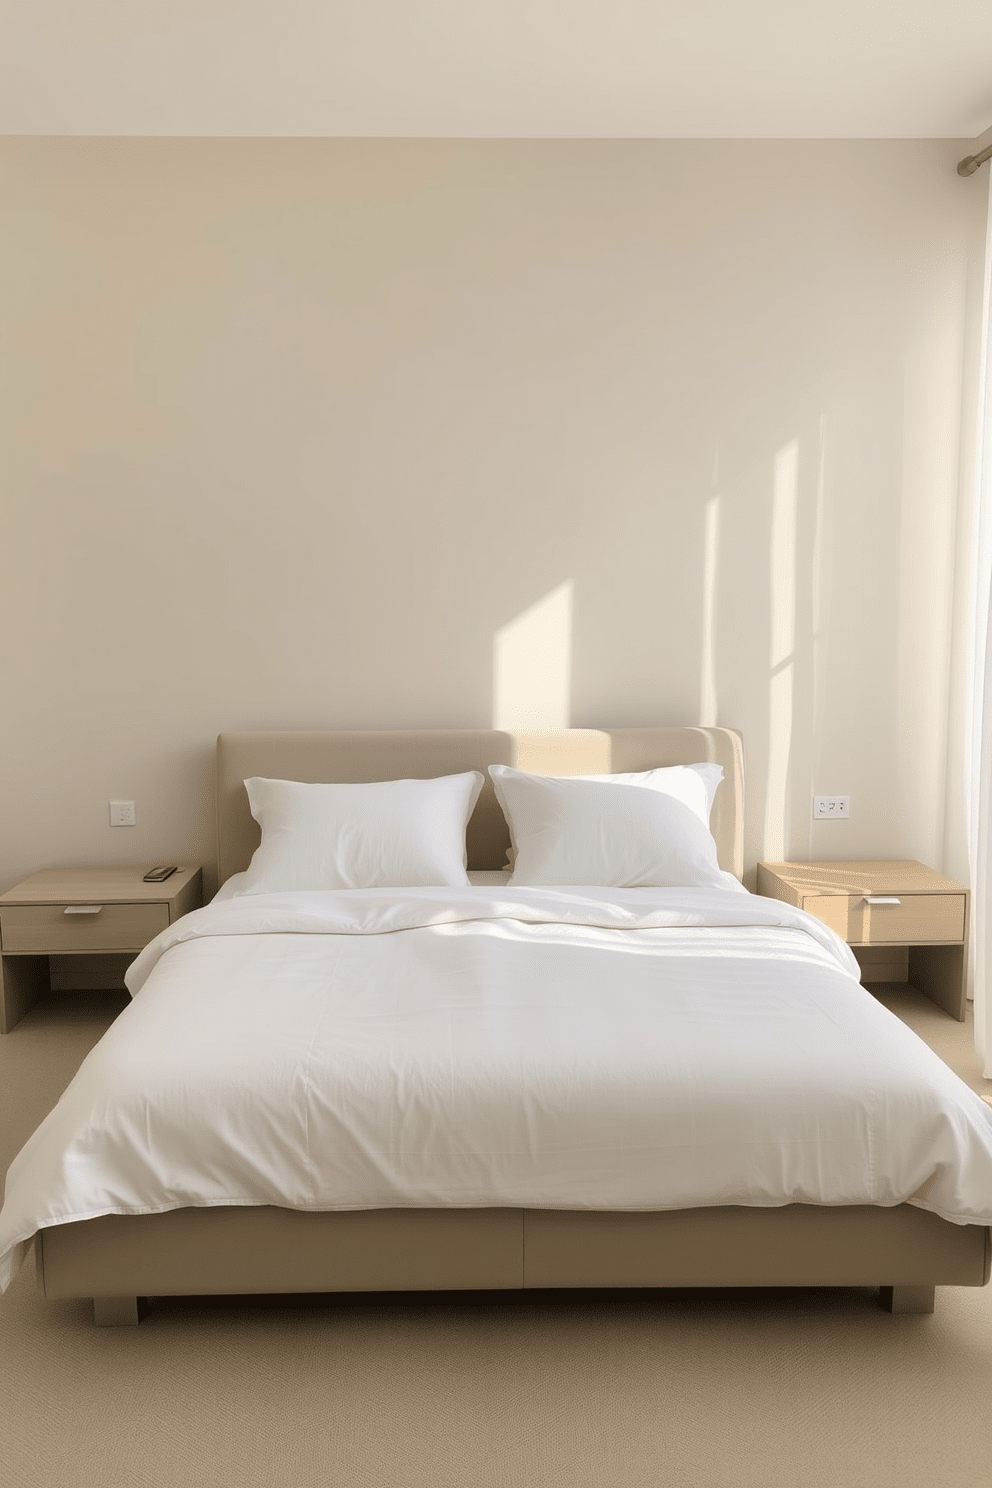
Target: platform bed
(119, 1261)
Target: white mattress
(573, 1048)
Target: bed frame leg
(118, 1312)
(907, 1298)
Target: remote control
(159, 875)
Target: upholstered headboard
(423, 753)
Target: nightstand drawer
(46, 929)
(916, 920)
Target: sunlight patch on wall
(782, 641)
(927, 532)
(708, 703)
(819, 606)
(532, 665)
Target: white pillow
(604, 832)
(390, 834)
(694, 785)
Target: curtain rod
(970, 163)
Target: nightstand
(73, 911)
(904, 922)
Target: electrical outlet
(829, 808)
(122, 814)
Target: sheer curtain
(980, 783)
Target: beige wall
(294, 431)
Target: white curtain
(980, 783)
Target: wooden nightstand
(904, 922)
(72, 911)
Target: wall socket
(122, 814)
(829, 808)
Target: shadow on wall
(532, 653)
(771, 662)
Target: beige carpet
(789, 1388)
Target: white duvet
(556, 1048)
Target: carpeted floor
(720, 1390)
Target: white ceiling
(498, 68)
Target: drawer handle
(881, 899)
(83, 908)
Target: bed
(522, 1231)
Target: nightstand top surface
(865, 876)
(107, 885)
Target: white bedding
(556, 1048)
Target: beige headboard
(421, 754)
